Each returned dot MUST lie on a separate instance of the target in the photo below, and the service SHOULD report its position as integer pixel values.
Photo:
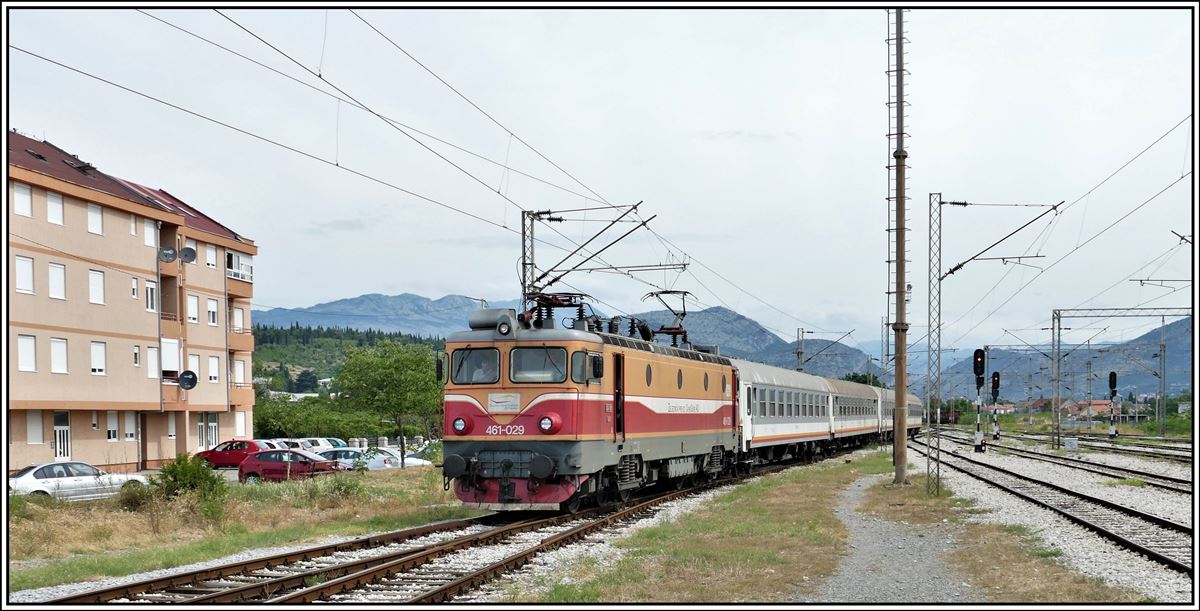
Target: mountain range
(741, 337)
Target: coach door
(619, 398)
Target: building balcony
(240, 341)
(170, 270)
(172, 327)
(238, 288)
(241, 395)
(170, 393)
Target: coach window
(649, 374)
(542, 365)
(475, 366)
(579, 367)
(706, 381)
(679, 379)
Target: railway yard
(1119, 523)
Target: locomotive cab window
(544, 365)
(475, 366)
(579, 372)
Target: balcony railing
(245, 273)
(169, 316)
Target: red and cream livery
(538, 417)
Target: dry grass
(762, 542)
(1006, 562)
(59, 529)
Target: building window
(33, 427)
(151, 296)
(239, 266)
(58, 281)
(26, 353)
(137, 356)
(239, 320)
(171, 425)
(95, 420)
(192, 245)
(23, 204)
(212, 312)
(194, 364)
(210, 255)
(239, 424)
(54, 208)
(24, 275)
(98, 357)
(133, 287)
(95, 219)
(214, 369)
(193, 314)
(95, 287)
(112, 426)
(130, 426)
(58, 355)
(151, 233)
(132, 224)
(151, 362)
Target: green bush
(135, 497)
(186, 474)
(19, 504)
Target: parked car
(371, 460)
(295, 444)
(231, 453)
(71, 481)
(409, 459)
(334, 442)
(280, 465)
(318, 444)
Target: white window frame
(95, 219)
(239, 424)
(111, 433)
(102, 370)
(151, 233)
(213, 318)
(190, 243)
(130, 426)
(210, 256)
(152, 370)
(193, 364)
(170, 355)
(193, 309)
(56, 290)
(54, 203)
(151, 296)
(170, 425)
(214, 369)
(33, 427)
(22, 200)
(58, 355)
(238, 314)
(94, 276)
(24, 268)
(95, 420)
(27, 353)
(137, 356)
(132, 224)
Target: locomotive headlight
(546, 424)
(550, 423)
(503, 328)
(460, 425)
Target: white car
(71, 481)
(409, 460)
(376, 460)
(319, 444)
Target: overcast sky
(756, 136)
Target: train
(545, 417)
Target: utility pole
(800, 333)
(1162, 378)
(900, 420)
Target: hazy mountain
(407, 313)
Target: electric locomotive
(541, 417)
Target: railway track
(1160, 443)
(1157, 538)
(1180, 456)
(1174, 484)
(1183, 441)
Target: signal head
(978, 362)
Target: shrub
(135, 497)
(185, 474)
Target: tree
(394, 381)
(306, 381)
(864, 378)
(287, 378)
(1130, 397)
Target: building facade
(105, 316)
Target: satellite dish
(187, 380)
(188, 254)
(166, 254)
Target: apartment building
(105, 316)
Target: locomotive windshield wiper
(546, 350)
(462, 361)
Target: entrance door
(212, 431)
(619, 398)
(62, 436)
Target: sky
(755, 137)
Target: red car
(280, 465)
(232, 453)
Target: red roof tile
(191, 217)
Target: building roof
(45, 158)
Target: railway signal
(995, 400)
(1112, 406)
(979, 367)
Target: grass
(761, 542)
(173, 533)
(992, 556)
(1128, 481)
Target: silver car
(372, 460)
(71, 481)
